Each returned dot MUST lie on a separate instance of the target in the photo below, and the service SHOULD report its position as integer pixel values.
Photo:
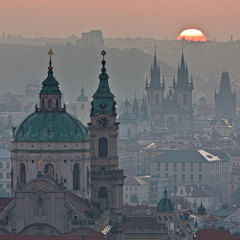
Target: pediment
(40, 184)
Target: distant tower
(183, 88)
(83, 108)
(135, 108)
(225, 100)
(154, 88)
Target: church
(173, 112)
(65, 180)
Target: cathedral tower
(154, 89)
(225, 100)
(106, 178)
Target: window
(1, 165)
(22, 175)
(50, 103)
(157, 99)
(200, 178)
(130, 188)
(126, 188)
(191, 167)
(156, 183)
(82, 106)
(76, 177)
(56, 103)
(183, 167)
(158, 167)
(8, 165)
(166, 175)
(135, 188)
(183, 178)
(191, 178)
(1, 186)
(103, 147)
(42, 103)
(1, 175)
(166, 167)
(126, 196)
(7, 175)
(49, 170)
(32, 161)
(8, 185)
(181, 192)
(175, 167)
(103, 192)
(200, 167)
(175, 178)
(184, 98)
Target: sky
(120, 18)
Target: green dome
(51, 127)
(165, 204)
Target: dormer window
(50, 104)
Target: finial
(50, 53)
(155, 49)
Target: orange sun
(192, 35)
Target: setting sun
(192, 35)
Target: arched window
(76, 177)
(57, 103)
(50, 103)
(49, 170)
(1, 175)
(184, 98)
(82, 106)
(157, 99)
(103, 192)
(8, 165)
(103, 147)
(7, 175)
(42, 103)
(22, 174)
(1, 165)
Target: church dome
(165, 204)
(50, 122)
(50, 127)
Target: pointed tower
(155, 88)
(82, 107)
(183, 88)
(135, 108)
(106, 178)
(225, 100)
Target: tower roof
(50, 85)
(225, 87)
(201, 209)
(103, 98)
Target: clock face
(103, 122)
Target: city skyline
(155, 19)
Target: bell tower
(106, 178)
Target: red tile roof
(143, 223)
(134, 181)
(214, 234)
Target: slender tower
(106, 178)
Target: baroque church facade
(63, 181)
(174, 112)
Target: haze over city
(145, 18)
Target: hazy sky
(120, 18)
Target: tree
(236, 196)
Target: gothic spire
(225, 87)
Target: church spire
(103, 98)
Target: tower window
(22, 175)
(50, 104)
(103, 192)
(103, 147)
(57, 103)
(157, 99)
(42, 103)
(82, 106)
(76, 177)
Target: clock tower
(106, 178)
